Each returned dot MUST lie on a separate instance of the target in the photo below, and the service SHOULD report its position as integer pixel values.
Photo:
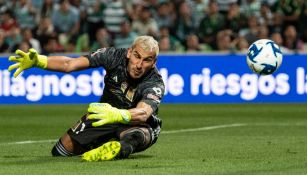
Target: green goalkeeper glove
(27, 60)
(106, 114)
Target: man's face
(140, 61)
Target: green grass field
(245, 139)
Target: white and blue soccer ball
(264, 57)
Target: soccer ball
(264, 57)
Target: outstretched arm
(66, 64)
(55, 63)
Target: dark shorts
(89, 137)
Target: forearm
(58, 63)
(66, 64)
(141, 113)
(106, 114)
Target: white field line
(173, 131)
(28, 142)
(163, 132)
(204, 128)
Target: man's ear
(129, 53)
(154, 65)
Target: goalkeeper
(125, 121)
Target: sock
(60, 150)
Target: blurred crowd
(76, 26)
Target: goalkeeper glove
(27, 60)
(106, 114)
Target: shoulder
(152, 80)
(107, 57)
(111, 51)
(152, 88)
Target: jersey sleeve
(108, 58)
(152, 95)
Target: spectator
(277, 38)
(146, 24)
(263, 32)
(250, 7)
(289, 10)
(134, 9)
(8, 23)
(113, 15)
(266, 15)
(25, 14)
(224, 5)
(94, 19)
(14, 38)
(303, 22)
(70, 46)
(211, 24)
(28, 37)
(277, 24)
(251, 32)
(23, 45)
(185, 22)
(47, 8)
(153, 6)
(234, 19)
(165, 17)
(4, 6)
(291, 40)
(223, 41)
(4, 47)
(103, 39)
(37, 4)
(199, 8)
(240, 44)
(126, 36)
(82, 43)
(44, 30)
(73, 24)
(174, 44)
(81, 6)
(51, 46)
(65, 19)
(164, 44)
(193, 45)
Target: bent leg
(83, 137)
(130, 139)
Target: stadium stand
(190, 25)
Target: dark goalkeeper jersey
(123, 92)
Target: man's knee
(134, 140)
(136, 136)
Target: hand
(27, 60)
(106, 114)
